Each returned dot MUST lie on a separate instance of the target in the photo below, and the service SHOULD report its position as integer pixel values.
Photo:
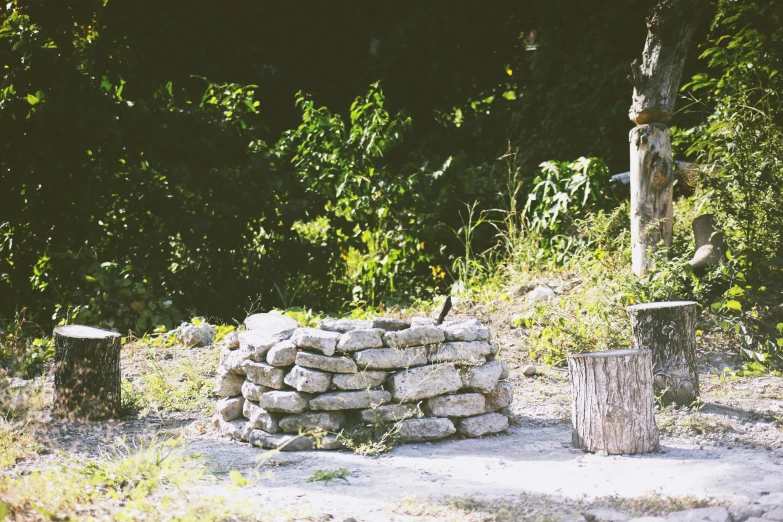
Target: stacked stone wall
(277, 381)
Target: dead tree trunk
(612, 402)
(656, 82)
(87, 378)
(668, 330)
(652, 179)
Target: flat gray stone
(422, 321)
(259, 418)
(274, 325)
(310, 420)
(506, 372)
(233, 361)
(390, 324)
(228, 384)
(231, 340)
(458, 405)
(350, 400)
(307, 380)
(255, 344)
(707, 514)
(424, 382)
(284, 401)
(344, 325)
(282, 354)
(482, 378)
(252, 391)
(481, 425)
(742, 512)
(541, 293)
(472, 353)
(360, 340)
(230, 408)
(325, 363)
(469, 330)
(420, 430)
(264, 374)
(281, 441)
(314, 339)
(648, 519)
(329, 441)
(390, 413)
(418, 336)
(358, 381)
(774, 514)
(391, 358)
(501, 397)
(235, 429)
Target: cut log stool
(668, 330)
(612, 402)
(87, 372)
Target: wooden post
(87, 379)
(656, 82)
(612, 403)
(652, 182)
(668, 330)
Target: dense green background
(157, 157)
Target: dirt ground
(727, 451)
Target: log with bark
(668, 330)
(87, 379)
(612, 402)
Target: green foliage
(564, 191)
(20, 350)
(326, 476)
(133, 471)
(740, 145)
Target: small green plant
(137, 469)
(326, 476)
(372, 439)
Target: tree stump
(612, 402)
(87, 378)
(668, 330)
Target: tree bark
(656, 82)
(668, 330)
(652, 182)
(87, 377)
(612, 402)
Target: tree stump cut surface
(87, 377)
(613, 407)
(668, 330)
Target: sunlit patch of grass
(670, 423)
(16, 442)
(158, 480)
(183, 384)
(654, 504)
(137, 469)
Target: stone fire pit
(425, 381)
